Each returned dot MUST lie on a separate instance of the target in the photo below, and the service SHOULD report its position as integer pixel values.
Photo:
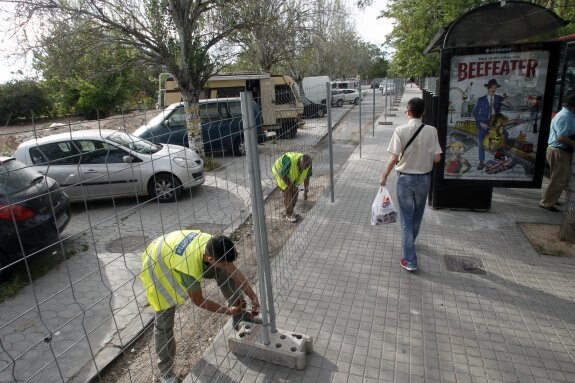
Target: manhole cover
(129, 243)
(460, 264)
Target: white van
(343, 84)
(314, 88)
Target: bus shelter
(494, 102)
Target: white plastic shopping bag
(383, 209)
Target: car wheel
(288, 130)
(239, 147)
(166, 187)
(292, 132)
(320, 113)
(339, 103)
(281, 132)
(356, 101)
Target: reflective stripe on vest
(165, 272)
(158, 295)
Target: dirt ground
(545, 239)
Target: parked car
(100, 164)
(341, 96)
(221, 126)
(33, 211)
(387, 87)
(312, 109)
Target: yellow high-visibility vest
(164, 259)
(295, 175)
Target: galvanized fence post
(329, 141)
(264, 278)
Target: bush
(23, 99)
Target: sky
(370, 28)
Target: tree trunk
(193, 121)
(567, 231)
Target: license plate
(62, 220)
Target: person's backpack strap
(409, 142)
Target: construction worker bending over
(290, 170)
(173, 267)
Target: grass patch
(5, 150)
(210, 164)
(19, 276)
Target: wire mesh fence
(75, 254)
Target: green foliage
(89, 76)
(417, 21)
(23, 99)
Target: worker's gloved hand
(255, 307)
(234, 310)
(245, 316)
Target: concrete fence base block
(286, 348)
(390, 115)
(385, 123)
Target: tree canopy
(417, 21)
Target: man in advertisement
(487, 106)
(559, 152)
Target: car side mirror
(128, 159)
(167, 123)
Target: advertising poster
(495, 114)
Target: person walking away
(559, 153)
(173, 267)
(290, 170)
(413, 163)
(486, 107)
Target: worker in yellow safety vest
(173, 267)
(290, 170)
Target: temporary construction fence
(89, 308)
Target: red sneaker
(407, 267)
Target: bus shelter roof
(504, 22)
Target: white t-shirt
(418, 158)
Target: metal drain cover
(461, 264)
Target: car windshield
(162, 116)
(15, 177)
(138, 145)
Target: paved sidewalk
(371, 321)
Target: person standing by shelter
(486, 107)
(290, 170)
(173, 267)
(559, 153)
(414, 148)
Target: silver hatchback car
(101, 164)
